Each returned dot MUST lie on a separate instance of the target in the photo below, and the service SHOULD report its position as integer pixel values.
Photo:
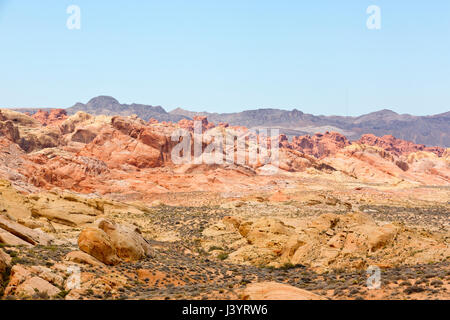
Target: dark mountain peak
(445, 115)
(297, 112)
(103, 102)
(384, 112)
(387, 111)
(106, 105)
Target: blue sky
(225, 56)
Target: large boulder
(112, 243)
(128, 241)
(98, 244)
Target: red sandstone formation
(52, 118)
(397, 146)
(130, 142)
(319, 145)
(189, 124)
(126, 155)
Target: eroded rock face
(11, 240)
(19, 119)
(296, 161)
(54, 117)
(70, 124)
(54, 167)
(37, 212)
(9, 131)
(97, 285)
(367, 163)
(332, 240)
(397, 146)
(33, 237)
(27, 282)
(266, 233)
(27, 132)
(446, 154)
(129, 142)
(202, 120)
(112, 243)
(427, 165)
(36, 285)
(66, 209)
(351, 241)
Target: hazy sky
(229, 55)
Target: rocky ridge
(427, 130)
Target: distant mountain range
(112, 107)
(427, 130)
